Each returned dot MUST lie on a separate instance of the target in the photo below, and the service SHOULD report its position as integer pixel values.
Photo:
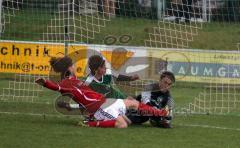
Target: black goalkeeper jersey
(153, 97)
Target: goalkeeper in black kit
(156, 95)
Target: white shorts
(111, 109)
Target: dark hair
(168, 74)
(95, 62)
(61, 65)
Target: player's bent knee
(121, 123)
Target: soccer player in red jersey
(107, 112)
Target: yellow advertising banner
(188, 65)
(117, 59)
(201, 65)
(33, 57)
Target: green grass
(48, 128)
(45, 130)
(27, 25)
(188, 132)
(135, 27)
(218, 36)
(184, 95)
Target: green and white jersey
(105, 80)
(105, 86)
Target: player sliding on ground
(108, 112)
(101, 82)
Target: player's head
(63, 65)
(96, 64)
(167, 79)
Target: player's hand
(168, 111)
(134, 77)
(40, 81)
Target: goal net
(198, 40)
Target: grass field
(189, 131)
(36, 123)
(39, 125)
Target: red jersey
(82, 94)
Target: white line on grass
(209, 126)
(60, 116)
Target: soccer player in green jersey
(101, 82)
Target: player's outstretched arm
(127, 78)
(48, 84)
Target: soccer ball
(160, 122)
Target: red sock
(150, 111)
(108, 123)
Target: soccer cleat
(167, 112)
(63, 104)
